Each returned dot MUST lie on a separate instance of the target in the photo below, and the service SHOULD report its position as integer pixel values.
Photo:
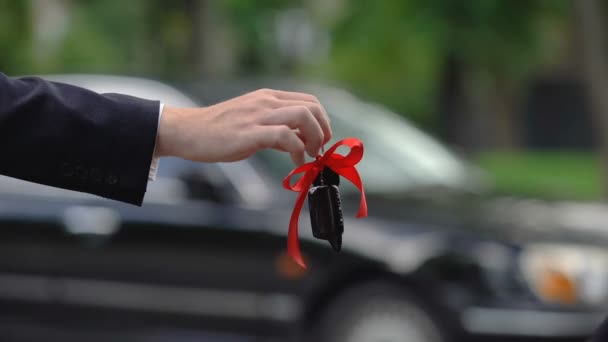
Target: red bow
(342, 165)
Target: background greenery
(397, 52)
(550, 175)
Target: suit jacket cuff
(156, 159)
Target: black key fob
(326, 208)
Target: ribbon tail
(352, 175)
(293, 244)
(362, 205)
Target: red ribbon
(342, 165)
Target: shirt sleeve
(156, 159)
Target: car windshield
(398, 157)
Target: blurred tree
(372, 49)
(104, 37)
(15, 36)
(591, 21)
(253, 22)
(476, 54)
(174, 35)
(138, 37)
(497, 45)
(387, 51)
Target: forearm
(69, 137)
(108, 144)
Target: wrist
(168, 131)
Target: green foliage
(493, 34)
(120, 37)
(545, 174)
(393, 51)
(14, 36)
(253, 25)
(390, 51)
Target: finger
(277, 94)
(278, 137)
(294, 96)
(301, 118)
(315, 108)
(298, 158)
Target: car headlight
(566, 274)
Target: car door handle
(91, 221)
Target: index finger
(290, 95)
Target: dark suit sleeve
(68, 137)
(601, 334)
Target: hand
(238, 128)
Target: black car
(206, 254)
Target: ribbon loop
(342, 165)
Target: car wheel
(378, 312)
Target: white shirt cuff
(155, 159)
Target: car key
(326, 209)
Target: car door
(197, 252)
(192, 255)
(36, 240)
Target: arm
(68, 137)
(64, 136)
(601, 334)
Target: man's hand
(237, 128)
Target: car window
(196, 181)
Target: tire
(378, 312)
